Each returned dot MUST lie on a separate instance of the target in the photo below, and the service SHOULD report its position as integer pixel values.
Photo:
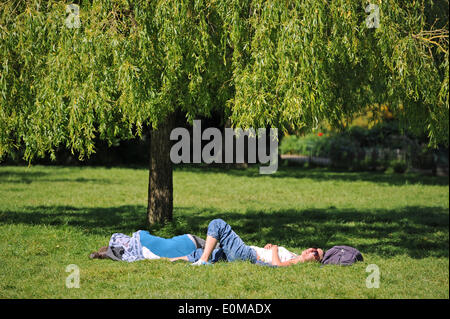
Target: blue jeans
(216, 255)
(231, 244)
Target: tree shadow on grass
(415, 231)
(325, 174)
(24, 177)
(91, 220)
(316, 174)
(13, 176)
(418, 232)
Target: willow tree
(109, 69)
(129, 64)
(297, 63)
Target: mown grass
(51, 217)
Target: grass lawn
(51, 217)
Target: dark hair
(318, 254)
(100, 254)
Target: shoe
(200, 263)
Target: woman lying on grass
(222, 244)
(233, 248)
(142, 245)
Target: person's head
(312, 254)
(100, 254)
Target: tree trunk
(160, 186)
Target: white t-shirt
(148, 254)
(265, 255)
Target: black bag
(341, 255)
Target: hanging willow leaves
(302, 62)
(130, 63)
(280, 63)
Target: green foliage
(314, 145)
(399, 166)
(286, 64)
(310, 144)
(301, 62)
(290, 145)
(130, 63)
(382, 146)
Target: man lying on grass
(222, 244)
(233, 248)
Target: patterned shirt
(131, 245)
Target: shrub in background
(399, 166)
(360, 149)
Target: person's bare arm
(179, 258)
(277, 262)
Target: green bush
(290, 145)
(363, 149)
(310, 144)
(343, 151)
(399, 166)
(366, 164)
(422, 158)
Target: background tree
(286, 64)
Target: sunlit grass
(51, 217)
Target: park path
(306, 159)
